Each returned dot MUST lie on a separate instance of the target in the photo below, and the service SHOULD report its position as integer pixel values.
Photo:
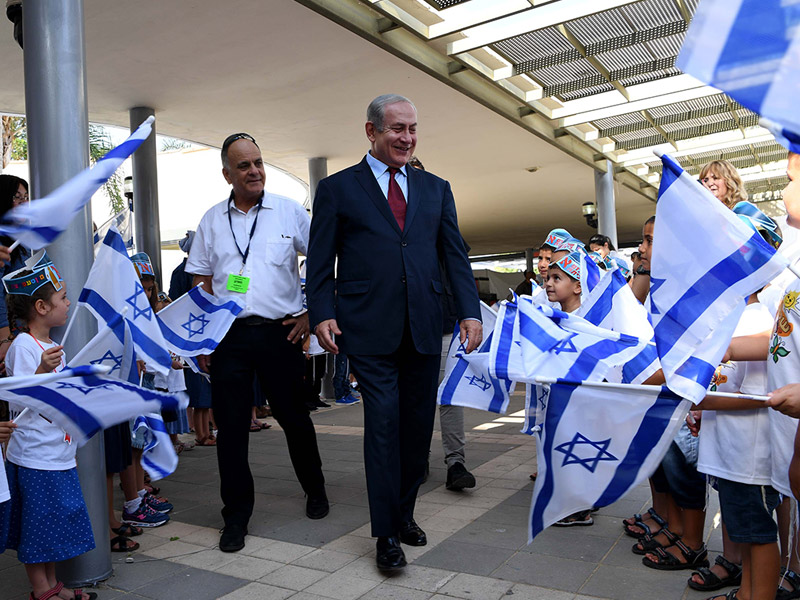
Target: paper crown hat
(603, 263)
(142, 264)
(572, 244)
(570, 264)
(555, 237)
(623, 265)
(757, 220)
(38, 271)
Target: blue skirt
(5, 513)
(198, 388)
(181, 425)
(48, 522)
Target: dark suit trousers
(262, 350)
(399, 393)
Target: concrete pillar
(606, 206)
(58, 149)
(318, 170)
(146, 224)
(529, 259)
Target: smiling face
(245, 171)
(395, 144)
(715, 184)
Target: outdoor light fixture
(589, 211)
(127, 190)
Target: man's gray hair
(377, 108)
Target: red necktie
(397, 201)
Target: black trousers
(399, 394)
(263, 351)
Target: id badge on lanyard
(239, 283)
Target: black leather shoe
(232, 538)
(412, 535)
(389, 556)
(317, 506)
(459, 478)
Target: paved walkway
(476, 539)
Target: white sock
(131, 506)
(142, 493)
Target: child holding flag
(48, 522)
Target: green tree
(15, 147)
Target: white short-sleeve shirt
(36, 442)
(281, 232)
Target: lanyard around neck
(246, 252)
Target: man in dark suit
(387, 225)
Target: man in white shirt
(246, 247)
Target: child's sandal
(49, 593)
(669, 562)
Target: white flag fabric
(558, 345)
(158, 455)
(196, 322)
(86, 404)
(591, 457)
(750, 49)
(122, 222)
(108, 350)
(612, 305)
(37, 224)
(113, 285)
(696, 298)
(467, 381)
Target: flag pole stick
(13, 246)
(645, 388)
(70, 324)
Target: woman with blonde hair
(721, 179)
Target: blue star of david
(543, 398)
(461, 349)
(109, 356)
(480, 382)
(566, 345)
(195, 319)
(74, 386)
(133, 300)
(654, 285)
(590, 462)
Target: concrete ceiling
(300, 84)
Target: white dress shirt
(381, 173)
(281, 232)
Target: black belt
(254, 320)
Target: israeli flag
(696, 298)
(196, 322)
(37, 224)
(122, 222)
(590, 275)
(749, 49)
(158, 455)
(612, 305)
(86, 404)
(559, 345)
(467, 381)
(108, 350)
(113, 285)
(591, 458)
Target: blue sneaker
(144, 516)
(349, 399)
(157, 503)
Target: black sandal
(650, 544)
(668, 562)
(639, 522)
(731, 595)
(123, 544)
(127, 530)
(794, 579)
(712, 581)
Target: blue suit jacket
(383, 273)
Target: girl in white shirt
(48, 522)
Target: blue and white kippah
(142, 264)
(39, 270)
(555, 237)
(570, 264)
(760, 222)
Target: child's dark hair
(154, 296)
(20, 306)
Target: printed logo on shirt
(783, 328)
(718, 378)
